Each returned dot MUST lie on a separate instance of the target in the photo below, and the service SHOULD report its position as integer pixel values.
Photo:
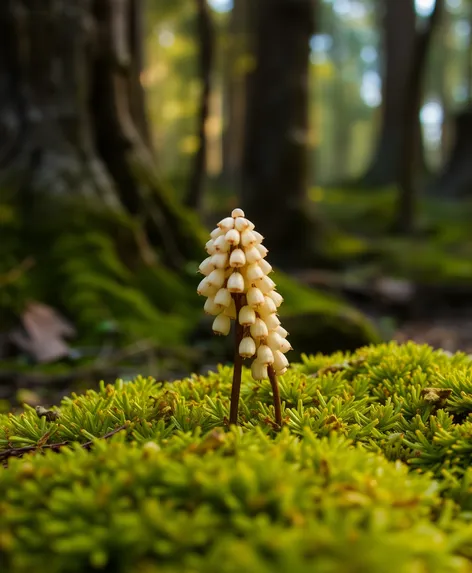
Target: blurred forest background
(128, 128)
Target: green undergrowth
(370, 472)
(440, 251)
(90, 264)
(87, 263)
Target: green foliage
(370, 473)
(441, 252)
(88, 265)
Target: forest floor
(452, 333)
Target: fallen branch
(20, 452)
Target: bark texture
(72, 113)
(205, 63)
(239, 59)
(399, 50)
(409, 159)
(275, 164)
(455, 181)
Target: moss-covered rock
(370, 473)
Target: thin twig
(238, 365)
(20, 452)
(17, 272)
(276, 394)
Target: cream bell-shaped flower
(247, 316)
(253, 255)
(237, 259)
(211, 308)
(237, 285)
(206, 266)
(265, 354)
(254, 297)
(259, 370)
(222, 325)
(281, 331)
(221, 245)
(259, 329)
(216, 278)
(272, 321)
(219, 260)
(216, 233)
(226, 224)
(254, 272)
(247, 347)
(280, 361)
(223, 297)
(276, 297)
(233, 237)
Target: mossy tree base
(73, 118)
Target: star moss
(369, 473)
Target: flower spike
(238, 288)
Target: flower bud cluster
(236, 266)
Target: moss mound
(370, 473)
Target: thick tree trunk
(275, 166)
(399, 38)
(206, 39)
(239, 59)
(406, 210)
(455, 181)
(72, 114)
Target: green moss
(439, 253)
(370, 473)
(88, 265)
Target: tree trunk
(341, 122)
(399, 38)
(206, 39)
(455, 181)
(72, 114)
(405, 218)
(275, 164)
(239, 63)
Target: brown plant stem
(238, 364)
(276, 395)
(20, 452)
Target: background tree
(275, 163)
(205, 36)
(239, 61)
(73, 118)
(399, 52)
(455, 178)
(409, 157)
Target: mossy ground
(370, 473)
(439, 253)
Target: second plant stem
(275, 394)
(237, 372)
(238, 364)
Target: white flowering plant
(238, 287)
